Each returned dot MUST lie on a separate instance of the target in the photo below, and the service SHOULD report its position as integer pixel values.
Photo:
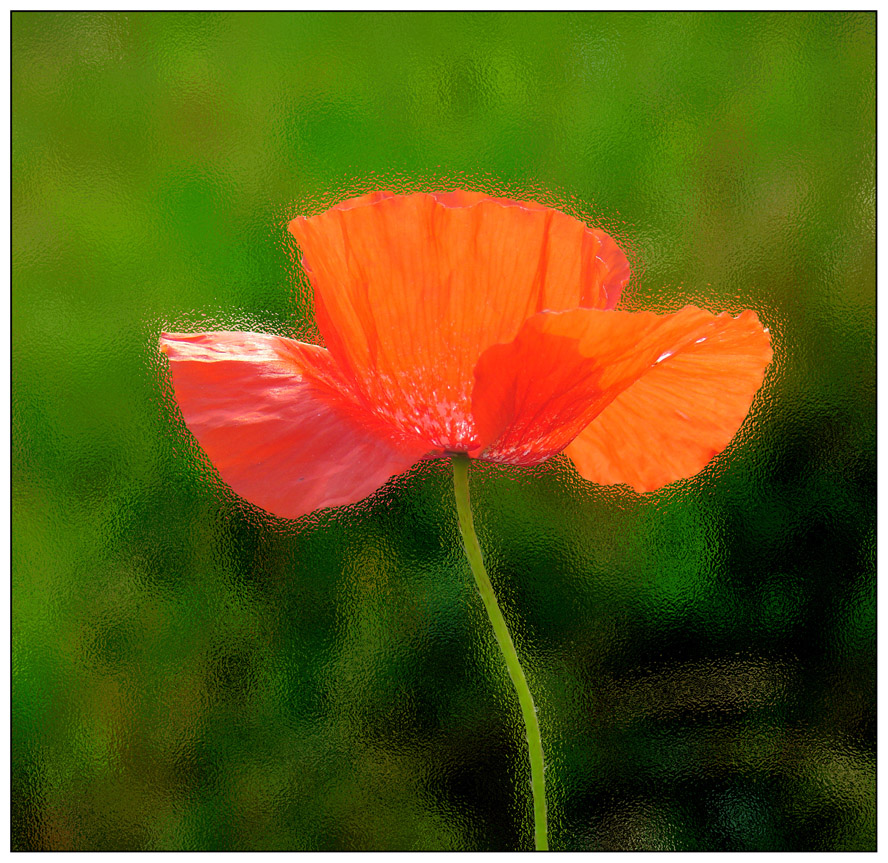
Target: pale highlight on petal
(537, 393)
(411, 289)
(277, 422)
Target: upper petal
(696, 374)
(411, 289)
(277, 422)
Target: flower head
(459, 322)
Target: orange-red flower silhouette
(459, 322)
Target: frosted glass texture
(192, 673)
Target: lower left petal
(277, 423)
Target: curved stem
(504, 639)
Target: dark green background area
(191, 673)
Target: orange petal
(673, 420)
(270, 414)
(411, 289)
(652, 397)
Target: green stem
(504, 639)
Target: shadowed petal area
(652, 397)
(411, 289)
(276, 421)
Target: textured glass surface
(191, 673)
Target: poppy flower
(463, 323)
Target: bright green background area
(189, 672)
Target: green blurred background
(190, 673)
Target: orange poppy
(460, 322)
